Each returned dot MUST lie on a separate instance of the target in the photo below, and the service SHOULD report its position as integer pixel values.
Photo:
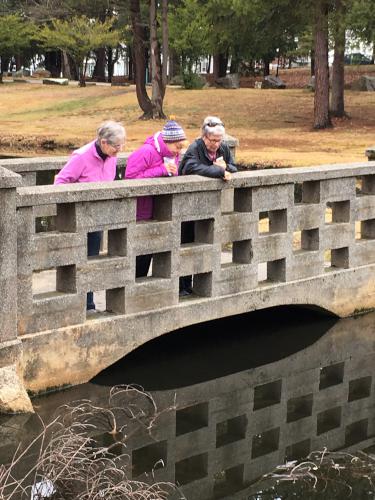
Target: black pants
(93, 248)
(187, 236)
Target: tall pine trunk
(165, 44)
(156, 70)
(321, 100)
(100, 65)
(337, 95)
(139, 59)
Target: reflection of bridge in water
(227, 432)
(303, 236)
(218, 436)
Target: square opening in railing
(367, 186)
(337, 211)
(242, 201)
(162, 208)
(157, 265)
(150, 457)
(299, 407)
(45, 224)
(273, 221)
(53, 282)
(111, 301)
(265, 443)
(331, 375)
(191, 418)
(311, 192)
(231, 430)
(359, 388)
(365, 229)
(298, 450)
(328, 420)
(106, 244)
(197, 285)
(306, 240)
(236, 252)
(272, 272)
(336, 258)
(198, 231)
(267, 395)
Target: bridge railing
(274, 227)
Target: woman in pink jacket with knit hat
(158, 157)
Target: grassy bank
(272, 126)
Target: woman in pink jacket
(158, 157)
(95, 162)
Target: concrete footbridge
(266, 238)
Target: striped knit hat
(172, 132)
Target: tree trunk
(337, 96)
(66, 69)
(100, 64)
(156, 70)
(220, 65)
(130, 63)
(165, 44)
(52, 62)
(321, 97)
(216, 68)
(174, 64)
(82, 73)
(266, 66)
(139, 59)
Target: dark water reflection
(244, 395)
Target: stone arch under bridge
(293, 236)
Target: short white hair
(111, 131)
(213, 125)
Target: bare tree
(158, 85)
(139, 37)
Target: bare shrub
(323, 474)
(81, 453)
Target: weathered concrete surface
(13, 396)
(74, 355)
(333, 267)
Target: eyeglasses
(115, 146)
(214, 141)
(214, 124)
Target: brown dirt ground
(273, 126)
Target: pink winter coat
(85, 165)
(145, 162)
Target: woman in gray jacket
(209, 155)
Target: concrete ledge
(70, 193)
(75, 354)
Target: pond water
(232, 399)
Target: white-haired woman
(209, 155)
(95, 162)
